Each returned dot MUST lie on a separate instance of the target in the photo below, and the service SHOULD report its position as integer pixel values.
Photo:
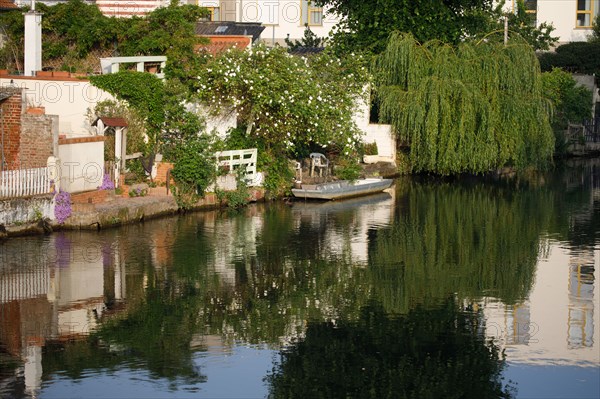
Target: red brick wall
(161, 172)
(11, 124)
(28, 139)
(89, 197)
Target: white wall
(81, 166)
(562, 14)
(22, 210)
(69, 99)
(378, 133)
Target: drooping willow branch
(473, 108)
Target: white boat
(342, 189)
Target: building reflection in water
(53, 291)
(581, 300)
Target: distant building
(571, 19)
(281, 18)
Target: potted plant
(370, 153)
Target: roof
(111, 122)
(6, 5)
(229, 28)
(7, 92)
(302, 50)
(219, 44)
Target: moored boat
(342, 189)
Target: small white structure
(33, 41)
(81, 165)
(150, 63)
(380, 134)
(232, 161)
(119, 126)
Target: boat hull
(342, 189)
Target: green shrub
(575, 57)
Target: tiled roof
(7, 5)
(227, 28)
(112, 122)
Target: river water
(463, 288)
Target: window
(530, 7)
(587, 10)
(311, 15)
(215, 13)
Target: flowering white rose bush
(286, 101)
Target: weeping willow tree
(471, 108)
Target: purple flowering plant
(62, 206)
(107, 183)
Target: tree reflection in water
(427, 353)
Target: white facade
(281, 17)
(69, 99)
(81, 166)
(571, 19)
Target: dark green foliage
(194, 169)
(74, 29)
(76, 26)
(571, 103)
(143, 91)
(309, 40)
(473, 108)
(366, 25)
(575, 57)
(459, 237)
(423, 354)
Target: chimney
(33, 41)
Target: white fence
(234, 159)
(24, 182)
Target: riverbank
(120, 210)
(95, 210)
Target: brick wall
(10, 123)
(161, 172)
(29, 139)
(39, 136)
(90, 197)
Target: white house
(572, 19)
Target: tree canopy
(366, 25)
(286, 104)
(473, 108)
(74, 29)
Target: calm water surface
(436, 289)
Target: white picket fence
(24, 182)
(234, 159)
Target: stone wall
(39, 140)
(26, 210)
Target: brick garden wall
(11, 125)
